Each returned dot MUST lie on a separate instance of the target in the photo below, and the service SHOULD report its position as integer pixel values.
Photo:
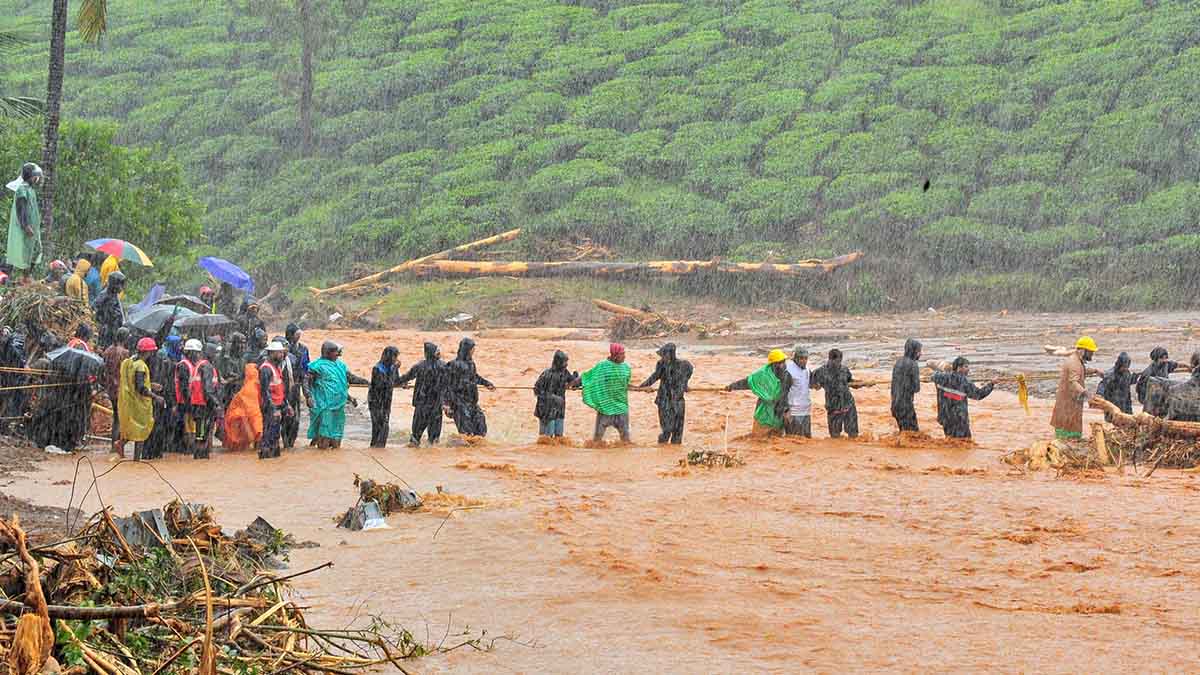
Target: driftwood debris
(1147, 422)
(378, 277)
(628, 322)
(470, 268)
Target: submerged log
(459, 268)
(406, 266)
(1147, 421)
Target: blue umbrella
(156, 292)
(223, 270)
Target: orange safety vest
(195, 383)
(276, 385)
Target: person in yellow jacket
(110, 265)
(136, 399)
(76, 287)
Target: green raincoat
(765, 385)
(330, 391)
(606, 388)
(24, 251)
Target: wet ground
(815, 555)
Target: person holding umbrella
(198, 397)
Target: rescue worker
(1161, 366)
(1114, 386)
(606, 390)
(672, 376)
(462, 391)
(56, 277)
(799, 416)
(135, 402)
(1183, 403)
(110, 379)
(227, 302)
(92, 278)
(167, 433)
(83, 333)
(24, 248)
(110, 316)
(273, 386)
(770, 384)
(906, 382)
(385, 377)
(253, 327)
(197, 393)
(290, 429)
(841, 412)
(209, 297)
(428, 396)
(1067, 418)
(300, 360)
(329, 382)
(76, 284)
(231, 367)
(551, 392)
(954, 391)
(12, 356)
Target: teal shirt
(330, 391)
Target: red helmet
(147, 345)
(205, 290)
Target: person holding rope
(770, 384)
(954, 390)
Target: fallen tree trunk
(70, 613)
(1147, 421)
(406, 266)
(469, 268)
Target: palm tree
(16, 106)
(92, 22)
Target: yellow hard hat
(1087, 343)
(776, 356)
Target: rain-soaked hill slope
(1058, 138)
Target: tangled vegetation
(982, 152)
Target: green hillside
(1059, 139)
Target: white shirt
(799, 397)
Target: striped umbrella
(121, 249)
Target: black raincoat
(1114, 386)
(672, 375)
(906, 382)
(841, 413)
(166, 436)
(428, 395)
(462, 392)
(954, 392)
(385, 377)
(1183, 402)
(12, 355)
(109, 317)
(551, 389)
(1157, 368)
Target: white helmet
(193, 346)
(276, 347)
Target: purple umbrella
(223, 270)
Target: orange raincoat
(243, 419)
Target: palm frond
(20, 106)
(11, 41)
(92, 19)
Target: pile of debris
(1136, 446)
(36, 308)
(168, 591)
(628, 322)
(375, 502)
(1064, 456)
(711, 459)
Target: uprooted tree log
(471, 268)
(378, 277)
(1146, 421)
(628, 322)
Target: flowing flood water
(815, 555)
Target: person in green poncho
(770, 384)
(25, 222)
(330, 382)
(606, 390)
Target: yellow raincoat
(76, 287)
(135, 411)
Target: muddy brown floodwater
(816, 555)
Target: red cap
(616, 348)
(147, 345)
(205, 290)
